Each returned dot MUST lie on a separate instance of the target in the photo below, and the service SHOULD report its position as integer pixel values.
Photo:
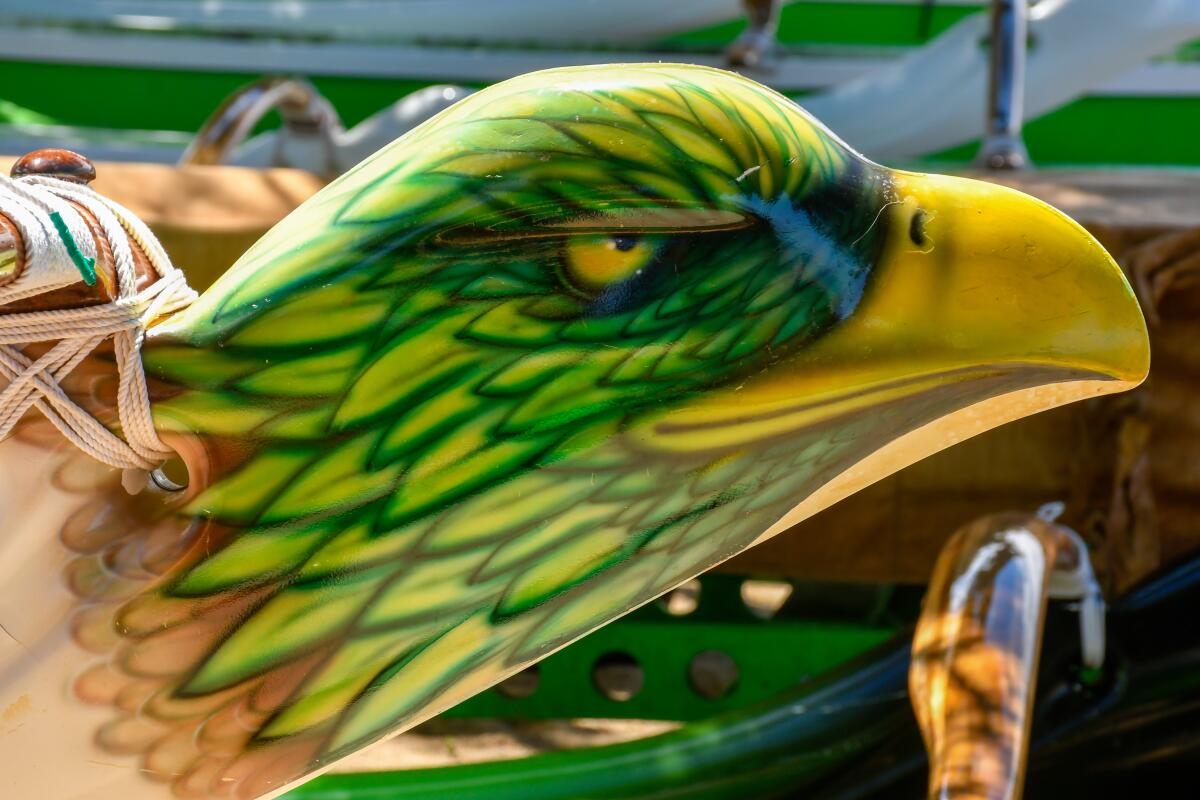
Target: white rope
(30, 201)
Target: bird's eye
(593, 263)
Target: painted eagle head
(569, 343)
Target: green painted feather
(417, 389)
(437, 408)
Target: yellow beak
(985, 306)
(993, 277)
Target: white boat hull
(614, 22)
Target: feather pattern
(430, 433)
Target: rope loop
(59, 251)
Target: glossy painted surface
(570, 343)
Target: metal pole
(1002, 146)
(753, 48)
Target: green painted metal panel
(121, 97)
(806, 639)
(845, 24)
(772, 749)
(1159, 131)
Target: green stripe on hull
(1136, 130)
(844, 24)
(1151, 131)
(115, 97)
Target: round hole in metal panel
(618, 676)
(713, 674)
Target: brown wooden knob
(64, 164)
(75, 168)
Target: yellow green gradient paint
(573, 341)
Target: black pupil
(624, 243)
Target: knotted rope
(60, 251)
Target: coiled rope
(60, 251)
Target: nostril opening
(916, 228)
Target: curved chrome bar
(1002, 146)
(977, 645)
(303, 110)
